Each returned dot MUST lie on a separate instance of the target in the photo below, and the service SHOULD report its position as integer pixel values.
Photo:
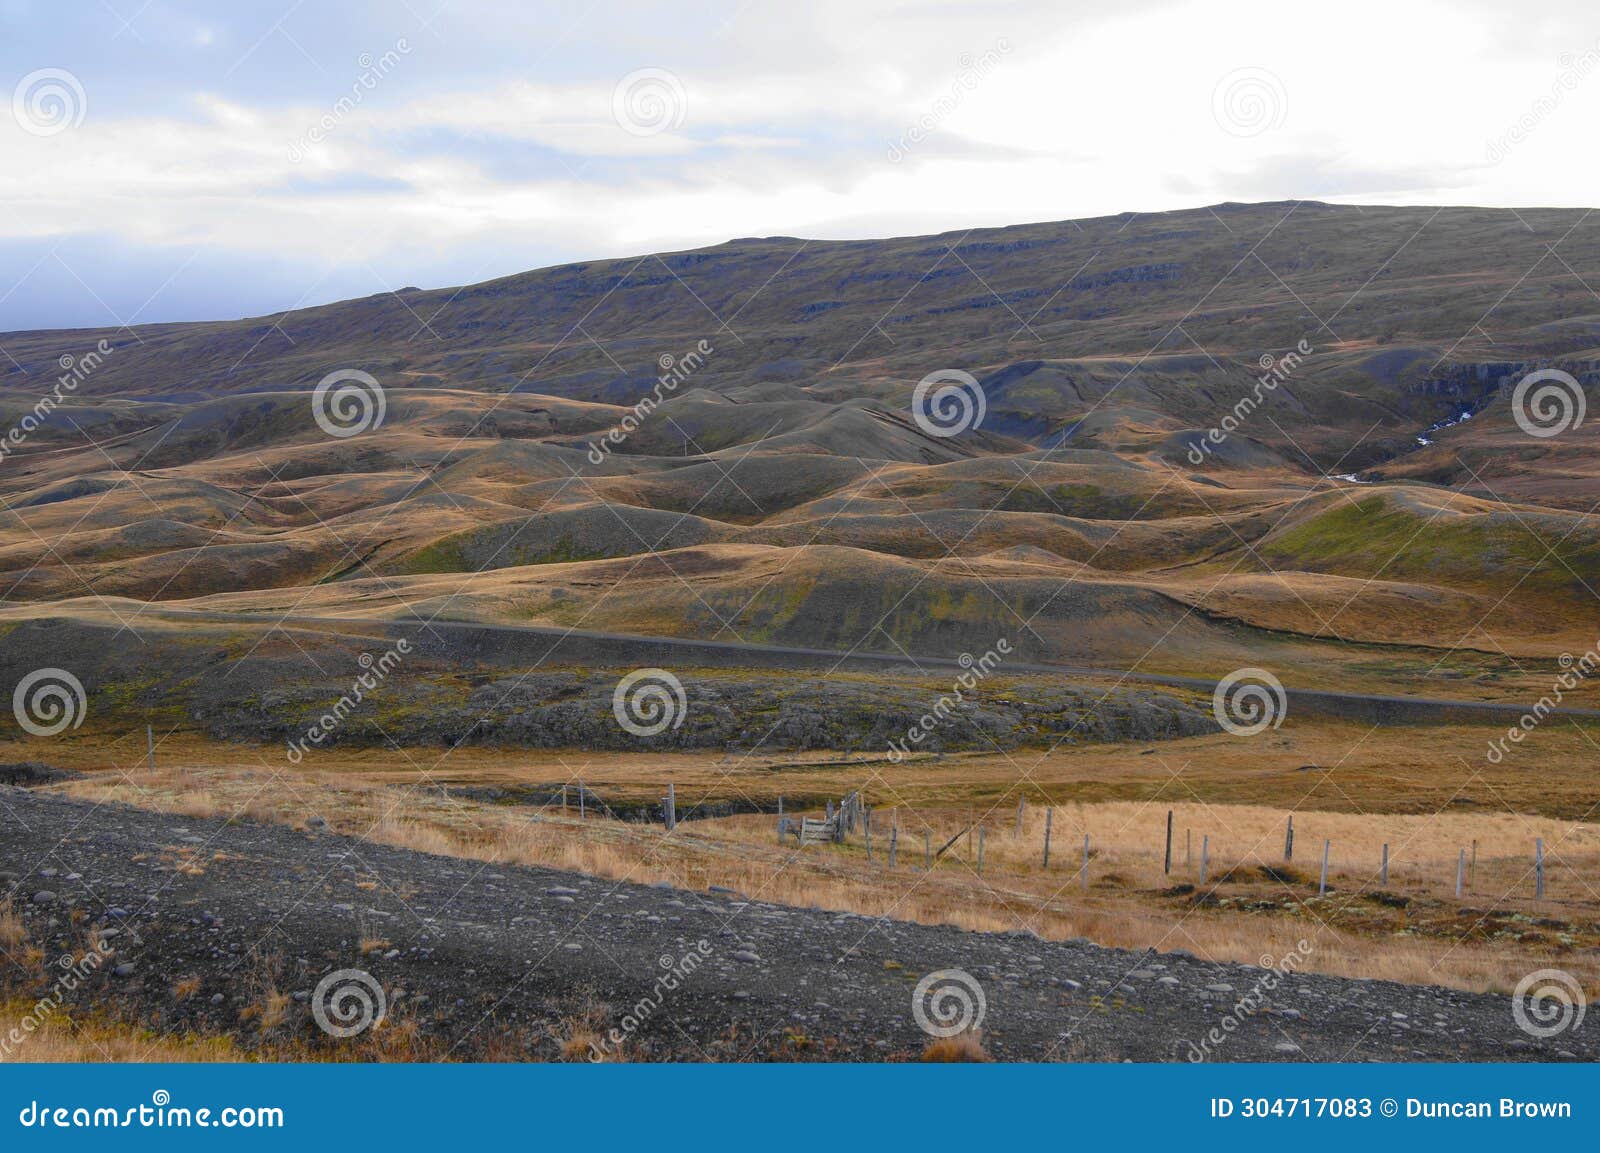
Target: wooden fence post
(894, 840)
(869, 840)
(1086, 862)
(1461, 870)
(1472, 868)
(980, 850)
(1166, 865)
(1288, 840)
(1205, 856)
(672, 808)
(150, 742)
(1384, 878)
(1538, 869)
(780, 804)
(583, 808)
(1322, 887)
(1048, 814)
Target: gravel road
(489, 960)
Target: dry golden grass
(185, 987)
(1326, 765)
(1487, 940)
(12, 930)
(1127, 840)
(582, 1038)
(963, 1047)
(64, 1037)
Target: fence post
(1288, 840)
(583, 808)
(563, 798)
(1205, 856)
(1461, 870)
(1048, 814)
(1472, 869)
(1322, 887)
(980, 850)
(1166, 865)
(150, 742)
(1021, 801)
(780, 804)
(894, 840)
(1385, 874)
(869, 840)
(1538, 869)
(1086, 862)
(927, 853)
(672, 808)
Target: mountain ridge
(1349, 373)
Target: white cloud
(791, 114)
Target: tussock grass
(12, 930)
(963, 1047)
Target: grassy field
(1427, 793)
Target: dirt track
(499, 960)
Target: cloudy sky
(162, 159)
